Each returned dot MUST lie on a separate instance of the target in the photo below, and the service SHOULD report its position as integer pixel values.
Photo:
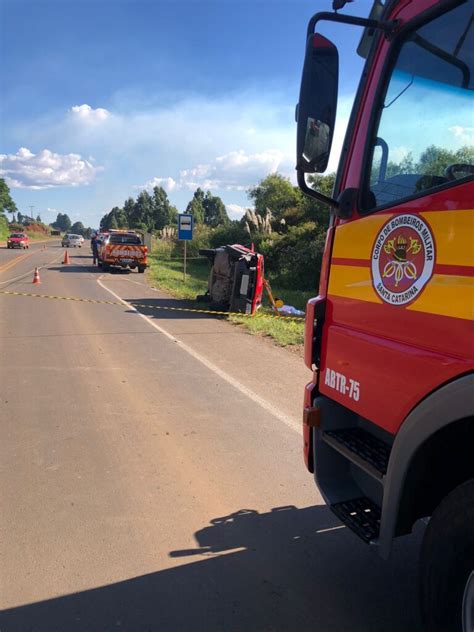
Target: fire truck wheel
(447, 564)
(105, 267)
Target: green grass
(4, 230)
(168, 276)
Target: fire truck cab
(389, 414)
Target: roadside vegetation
(168, 276)
(288, 228)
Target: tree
(78, 228)
(196, 206)
(121, 218)
(62, 223)
(314, 210)
(276, 193)
(434, 160)
(128, 207)
(142, 213)
(19, 218)
(215, 213)
(164, 213)
(38, 219)
(6, 202)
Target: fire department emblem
(403, 258)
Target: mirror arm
(313, 193)
(388, 27)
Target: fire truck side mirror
(316, 110)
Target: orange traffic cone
(66, 257)
(36, 278)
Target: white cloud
(26, 170)
(85, 113)
(464, 134)
(234, 211)
(234, 171)
(168, 184)
(226, 144)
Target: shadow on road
(169, 308)
(286, 570)
(86, 265)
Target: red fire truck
(389, 415)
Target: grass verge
(4, 230)
(168, 276)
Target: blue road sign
(185, 226)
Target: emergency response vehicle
(122, 249)
(389, 414)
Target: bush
(293, 260)
(174, 249)
(164, 249)
(4, 229)
(234, 233)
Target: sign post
(185, 233)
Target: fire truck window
(425, 136)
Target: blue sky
(102, 98)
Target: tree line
(154, 211)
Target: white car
(72, 241)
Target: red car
(18, 240)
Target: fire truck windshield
(425, 123)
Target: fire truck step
(362, 448)
(361, 515)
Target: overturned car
(235, 280)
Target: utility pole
(31, 211)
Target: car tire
(447, 563)
(141, 269)
(105, 267)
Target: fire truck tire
(447, 563)
(105, 267)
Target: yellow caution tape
(145, 306)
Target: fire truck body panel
(388, 423)
(411, 348)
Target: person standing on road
(95, 248)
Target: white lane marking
(32, 271)
(288, 421)
(342, 526)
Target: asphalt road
(152, 477)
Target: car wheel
(447, 564)
(141, 269)
(105, 267)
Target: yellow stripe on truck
(453, 232)
(445, 295)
